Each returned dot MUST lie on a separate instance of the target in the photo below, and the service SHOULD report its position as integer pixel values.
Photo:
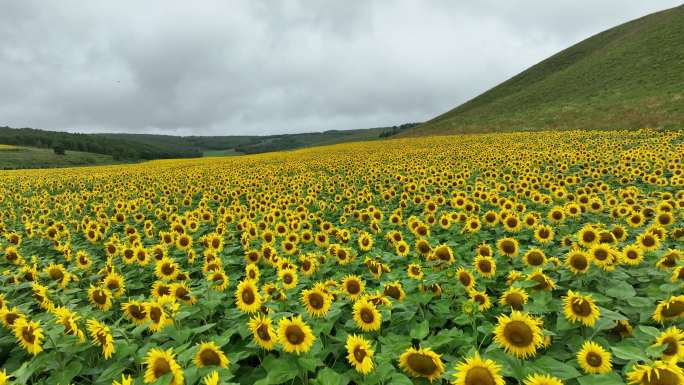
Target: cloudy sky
(262, 67)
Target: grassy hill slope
(628, 76)
(16, 157)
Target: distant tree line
(119, 149)
(391, 131)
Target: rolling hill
(629, 76)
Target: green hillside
(31, 157)
(628, 76)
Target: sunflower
(519, 334)
(8, 316)
(443, 253)
(415, 271)
(102, 337)
(465, 278)
(656, 373)
(181, 292)
(359, 353)
(542, 379)
(135, 311)
(580, 308)
(623, 329)
(544, 234)
(673, 338)
(160, 362)
(208, 354)
(594, 359)
(421, 362)
(247, 297)
(157, 315)
(534, 257)
(184, 242)
(125, 380)
(252, 272)
(115, 283)
(100, 297)
(514, 297)
(166, 269)
(485, 266)
(288, 277)
(353, 286)
(366, 315)
(316, 302)
(69, 320)
(588, 236)
(632, 255)
(218, 280)
(481, 298)
(394, 290)
(578, 262)
(476, 371)
(543, 281)
(83, 260)
(669, 309)
(602, 255)
(295, 335)
(507, 247)
(263, 332)
(29, 334)
(648, 242)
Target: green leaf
(327, 376)
(399, 379)
(552, 366)
(420, 331)
(278, 370)
(649, 330)
(611, 378)
(620, 290)
(627, 352)
(65, 375)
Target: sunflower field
(536, 258)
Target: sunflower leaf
(601, 379)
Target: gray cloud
(263, 67)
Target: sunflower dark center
(11, 317)
(136, 311)
(421, 364)
(27, 334)
(367, 315)
(543, 233)
(674, 309)
(535, 258)
(167, 269)
(316, 301)
(661, 377)
(294, 334)
(209, 357)
(56, 274)
(155, 314)
(515, 301)
(648, 241)
(601, 254)
(359, 353)
(464, 279)
(508, 247)
(262, 332)
(161, 367)
(247, 296)
(392, 291)
(479, 376)
(287, 278)
(485, 266)
(581, 308)
(594, 359)
(589, 237)
(579, 262)
(672, 346)
(100, 297)
(353, 287)
(518, 334)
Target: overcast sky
(263, 67)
